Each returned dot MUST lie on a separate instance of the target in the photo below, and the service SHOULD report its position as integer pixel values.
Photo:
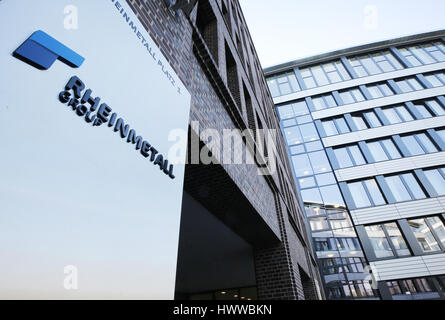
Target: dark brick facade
(212, 52)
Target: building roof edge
(324, 57)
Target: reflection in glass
(302, 165)
(424, 236)
(379, 242)
(331, 195)
(437, 180)
(320, 162)
(397, 188)
(359, 195)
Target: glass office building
(365, 131)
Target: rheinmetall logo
(41, 50)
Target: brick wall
(215, 104)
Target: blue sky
(285, 30)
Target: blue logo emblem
(41, 50)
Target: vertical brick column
(277, 272)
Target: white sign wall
(83, 215)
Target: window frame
(382, 54)
(432, 230)
(368, 193)
(389, 240)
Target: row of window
(378, 117)
(374, 63)
(373, 91)
(334, 244)
(389, 148)
(416, 289)
(402, 187)
(427, 53)
(338, 220)
(330, 266)
(316, 181)
(388, 241)
(355, 289)
(359, 66)
(325, 74)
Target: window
(424, 54)
(319, 103)
(418, 144)
(330, 128)
(366, 193)
(313, 146)
(422, 110)
(285, 111)
(359, 195)
(343, 158)
(297, 149)
(437, 179)
(349, 156)
(436, 79)
(325, 244)
(353, 265)
(331, 195)
(311, 195)
(289, 123)
(300, 108)
(379, 241)
(394, 288)
(374, 192)
(435, 107)
(398, 189)
(404, 113)
(387, 241)
(347, 244)
(414, 289)
(341, 125)
(441, 76)
(307, 183)
(351, 96)
(392, 116)
(356, 155)
(325, 74)
(320, 223)
(319, 161)
(405, 187)
(331, 265)
(325, 179)
(370, 64)
(413, 186)
(293, 135)
(441, 134)
(429, 232)
(335, 126)
(339, 220)
(391, 149)
(283, 84)
(377, 151)
(375, 91)
(272, 84)
(304, 119)
(359, 121)
(372, 119)
(309, 132)
(292, 110)
(409, 85)
(379, 90)
(302, 165)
